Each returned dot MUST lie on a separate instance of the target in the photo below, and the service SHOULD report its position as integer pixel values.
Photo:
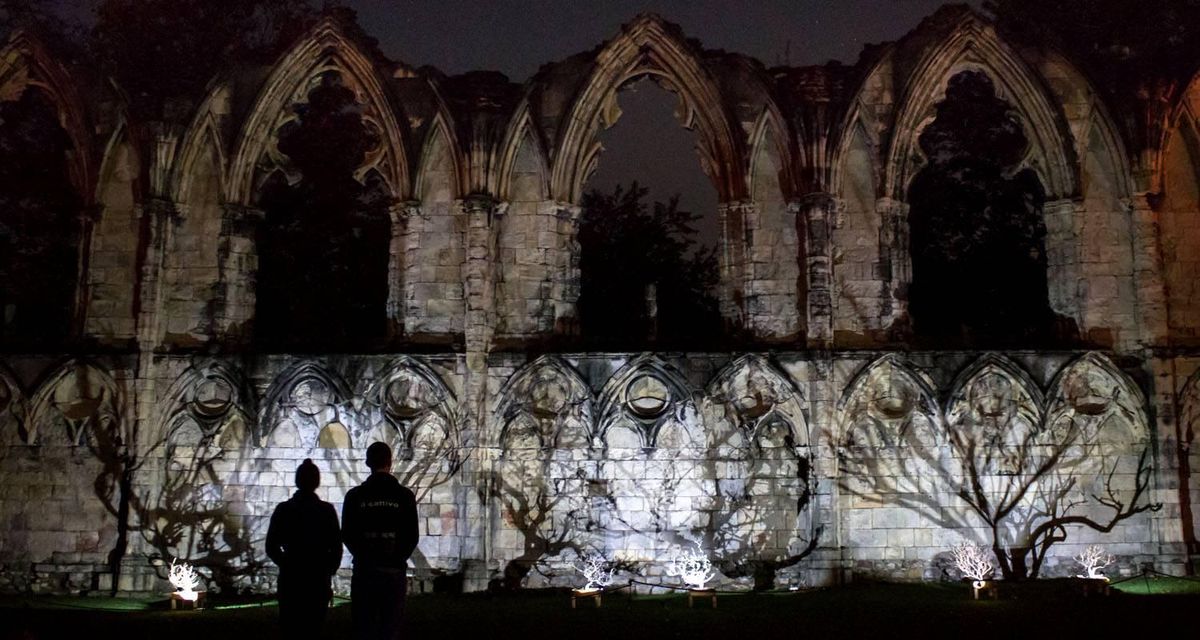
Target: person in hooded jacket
(304, 541)
(379, 525)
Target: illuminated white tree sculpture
(693, 567)
(184, 578)
(597, 570)
(1093, 560)
(973, 561)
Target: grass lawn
(1044, 609)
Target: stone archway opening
(978, 236)
(649, 229)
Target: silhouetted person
(379, 522)
(304, 541)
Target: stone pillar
(158, 216)
(483, 214)
(88, 217)
(399, 213)
(237, 264)
(1063, 275)
(818, 212)
(565, 287)
(736, 219)
(895, 259)
(1150, 289)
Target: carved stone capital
(483, 204)
(236, 212)
(158, 209)
(399, 212)
(567, 211)
(91, 214)
(737, 206)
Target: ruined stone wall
(784, 470)
(844, 453)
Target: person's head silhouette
(308, 477)
(379, 457)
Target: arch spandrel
(647, 47)
(326, 48)
(974, 46)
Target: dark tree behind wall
(323, 247)
(977, 231)
(39, 226)
(160, 50)
(628, 245)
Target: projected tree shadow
(1001, 463)
(740, 487)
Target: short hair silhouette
(308, 476)
(379, 456)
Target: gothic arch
(647, 47)
(757, 395)
(1183, 128)
(857, 127)
(14, 407)
(974, 45)
(771, 134)
(25, 63)
(1093, 389)
(79, 395)
(520, 137)
(306, 387)
(1177, 180)
(113, 242)
(203, 136)
(548, 396)
(210, 395)
(885, 397)
(661, 396)
(1102, 139)
(995, 392)
(409, 395)
(440, 147)
(325, 48)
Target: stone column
(817, 211)
(158, 216)
(237, 264)
(1062, 259)
(88, 218)
(736, 237)
(895, 259)
(399, 213)
(566, 282)
(1150, 289)
(483, 214)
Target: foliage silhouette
(977, 232)
(627, 246)
(38, 226)
(171, 49)
(324, 244)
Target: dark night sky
(518, 36)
